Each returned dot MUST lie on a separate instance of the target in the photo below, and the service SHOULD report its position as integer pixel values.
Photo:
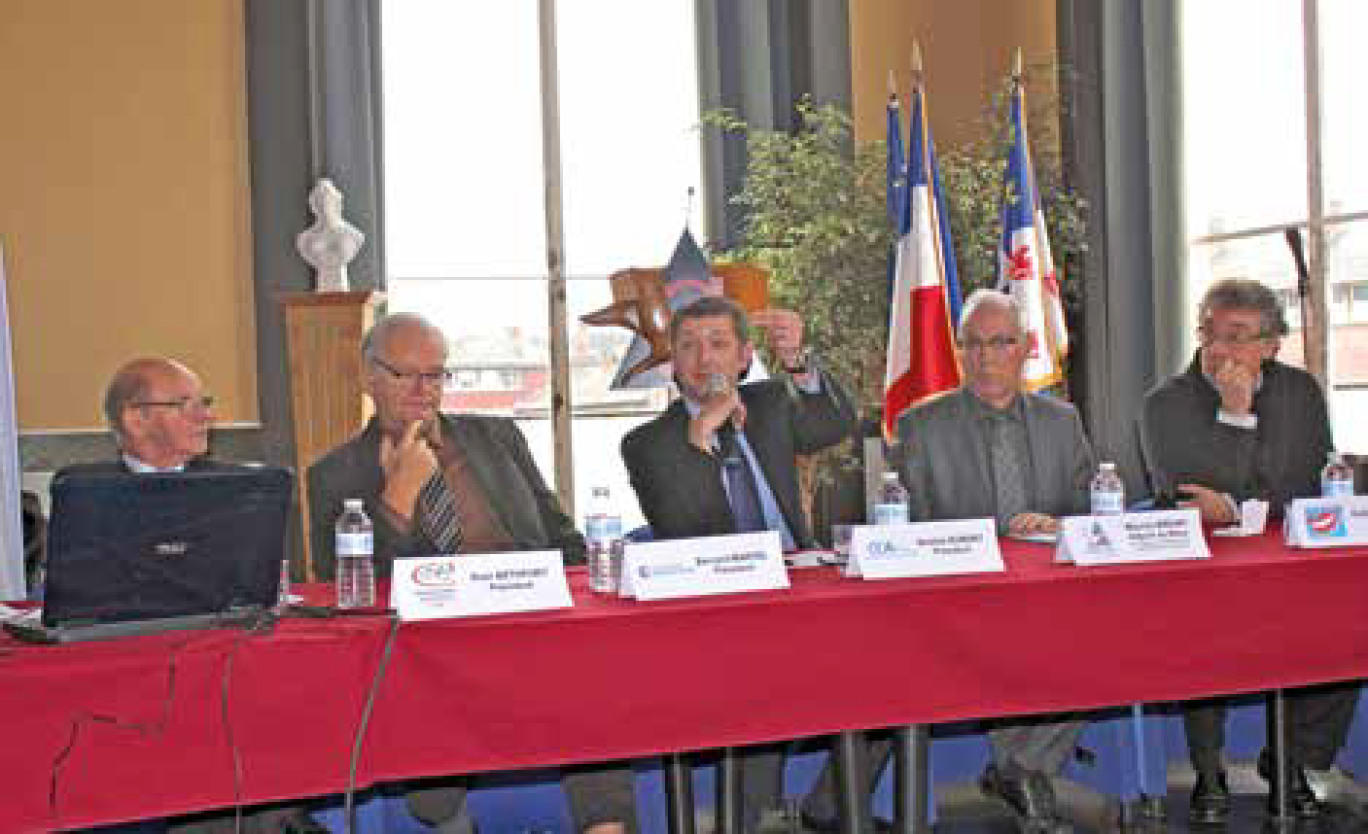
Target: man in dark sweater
(1238, 424)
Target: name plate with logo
(1132, 537)
(705, 565)
(926, 548)
(426, 588)
(1327, 522)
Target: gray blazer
(499, 459)
(946, 466)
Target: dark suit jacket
(499, 460)
(1183, 442)
(680, 487)
(948, 472)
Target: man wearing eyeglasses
(1238, 424)
(990, 450)
(160, 416)
(437, 483)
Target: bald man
(160, 416)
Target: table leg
(1280, 819)
(852, 801)
(729, 792)
(911, 795)
(679, 801)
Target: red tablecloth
(137, 727)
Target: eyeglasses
(427, 378)
(997, 344)
(184, 404)
(1230, 340)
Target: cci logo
(1325, 522)
(435, 575)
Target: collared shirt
(135, 465)
(769, 505)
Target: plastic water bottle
(355, 547)
(603, 540)
(1107, 493)
(1337, 478)
(891, 508)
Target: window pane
(1244, 117)
(463, 155)
(629, 137)
(1265, 259)
(496, 334)
(1344, 122)
(1347, 274)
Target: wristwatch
(804, 365)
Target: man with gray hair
(437, 483)
(1238, 424)
(990, 450)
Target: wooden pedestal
(324, 333)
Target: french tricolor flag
(1025, 268)
(921, 343)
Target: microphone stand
(1294, 242)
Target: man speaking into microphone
(720, 459)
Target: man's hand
(784, 331)
(716, 410)
(1235, 384)
(1214, 506)
(407, 465)
(1030, 524)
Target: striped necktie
(437, 514)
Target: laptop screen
(125, 546)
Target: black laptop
(143, 553)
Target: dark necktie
(437, 514)
(742, 491)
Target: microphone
(1294, 242)
(720, 384)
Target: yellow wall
(124, 203)
(966, 49)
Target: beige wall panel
(966, 48)
(124, 205)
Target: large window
(466, 208)
(1252, 170)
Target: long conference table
(154, 726)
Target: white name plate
(431, 587)
(1327, 522)
(1132, 537)
(704, 565)
(926, 548)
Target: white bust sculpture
(331, 242)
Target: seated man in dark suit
(990, 450)
(1238, 424)
(436, 483)
(721, 458)
(160, 416)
